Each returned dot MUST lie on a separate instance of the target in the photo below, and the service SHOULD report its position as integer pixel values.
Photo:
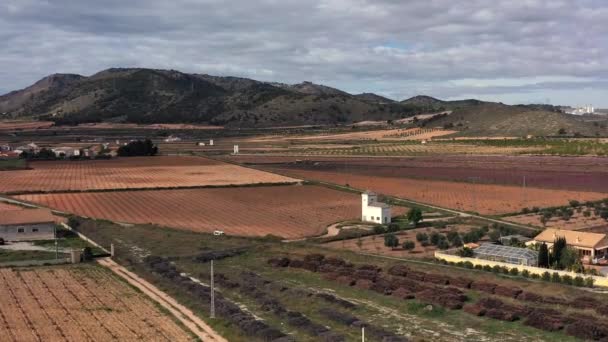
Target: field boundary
(250, 185)
(183, 314)
(27, 263)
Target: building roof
(573, 238)
(26, 216)
(369, 192)
(487, 249)
(517, 236)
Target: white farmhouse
(374, 211)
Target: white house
(374, 211)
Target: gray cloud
(392, 47)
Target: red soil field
(482, 198)
(287, 211)
(564, 173)
(24, 125)
(78, 304)
(131, 173)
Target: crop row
(402, 282)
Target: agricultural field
(374, 244)
(84, 303)
(287, 211)
(581, 218)
(131, 173)
(24, 125)
(562, 173)
(12, 164)
(485, 199)
(409, 148)
(311, 293)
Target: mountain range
(137, 95)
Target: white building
(581, 110)
(236, 149)
(374, 211)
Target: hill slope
(153, 96)
(496, 119)
(168, 96)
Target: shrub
(496, 269)
(393, 227)
(514, 271)
(422, 237)
(534, 276)
(379, 229)
(487, 268)
(73, 222)
(468, 264)
(390, 240)
(443, 244)
(478, 267)
(555, 278)
(504, 270)
(87, 254)
(546, 276)
(409, 245)
(566, 279)
(525, 273)
(578, 281)
(465, 252)
(574, 203)
(589, 282)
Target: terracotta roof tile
(26, 216)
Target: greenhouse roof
(505, 251)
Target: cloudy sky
(514, 51)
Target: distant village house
(589, 245)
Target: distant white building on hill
(374, 211)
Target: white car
(218, 232)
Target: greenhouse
(511, 255)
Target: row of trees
(138, 148)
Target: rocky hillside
(154, 96)
(168, 96)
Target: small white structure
(210, 142)
(172, 138)
(374, 211)
(201, 144)
(236, 149)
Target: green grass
(10, 255)
(12, 164)
(134, 242)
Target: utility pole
(56, 246)
(212, 293)
(524, 191)
(362, 334)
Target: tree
(393, 227)
(466, 252)
(544, 220)
(569, 259)
(435, 237)
(414, 216)
(574, 203)
(138, 148)
(443, 244)
(409, 245)
(422, 237)
(558, 247)
(543, 256)
(379, 229)
(390, 240)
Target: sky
(511, 51)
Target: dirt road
(183, 314)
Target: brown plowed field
(24, 125)
(286, 211)
(131, 173)
(482, 198)
(78, 304)
(562, 173)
